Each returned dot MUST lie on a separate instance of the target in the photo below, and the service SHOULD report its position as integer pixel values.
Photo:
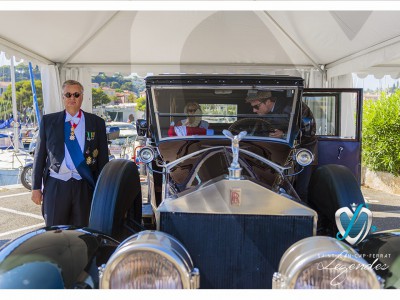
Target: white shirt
(67, 168)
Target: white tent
(324, 47)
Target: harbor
(11, 165)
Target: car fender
(382, 251)
(54, 257)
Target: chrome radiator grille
(235, 251)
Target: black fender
(55, 257)
(332, 187)
(382, 251)
(117, 199)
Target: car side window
(334, 113)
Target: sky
(372, 83)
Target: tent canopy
(325, 44)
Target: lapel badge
(95, 153)
(90, 135)
(88, 160)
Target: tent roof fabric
(339, 42)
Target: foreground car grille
(236, 250)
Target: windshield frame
(156, 114)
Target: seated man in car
(192, 125)
(262, 103)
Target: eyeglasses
(257, 106)
(69, 95)
(192, 110)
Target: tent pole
(35, 100)
(14, 103)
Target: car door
(337, 113)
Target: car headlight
(150, 260)
(322, 262)
(146, 154)
(304, 157)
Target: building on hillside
(108, 91)
(3, 86)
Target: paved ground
(19, 215)
(385, 208)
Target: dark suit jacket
(50, 150)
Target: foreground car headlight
(150, 259)
(304, 157)
(321, 262)
(146, 154)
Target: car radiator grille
(236, 251)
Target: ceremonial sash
(77, 156)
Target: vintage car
(221, 209)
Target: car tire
(332, 187)
(117, 200)
(26, 176)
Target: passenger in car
(192, 125)
(193, 111)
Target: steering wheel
(252, 126)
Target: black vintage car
(221, 210)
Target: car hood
(214, 163)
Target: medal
(72, 135)
(73, 126)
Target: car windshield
(204, 112)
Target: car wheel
(117, 200)
(332, 187)
(26, 176)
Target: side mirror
(306, 126)
(112, 133)
(141, 127)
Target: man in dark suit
(70, 153)
(262, 103)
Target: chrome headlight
(321, 262)
(146, 154)
(304, 157)
(150, 260)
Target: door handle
(340, 149)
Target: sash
(77, 156)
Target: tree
(21, 73)
(99, 97)
(141, 103)
(131, 98)
(24, 95)
(127, 86)
(381, 133)
(115, 85)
